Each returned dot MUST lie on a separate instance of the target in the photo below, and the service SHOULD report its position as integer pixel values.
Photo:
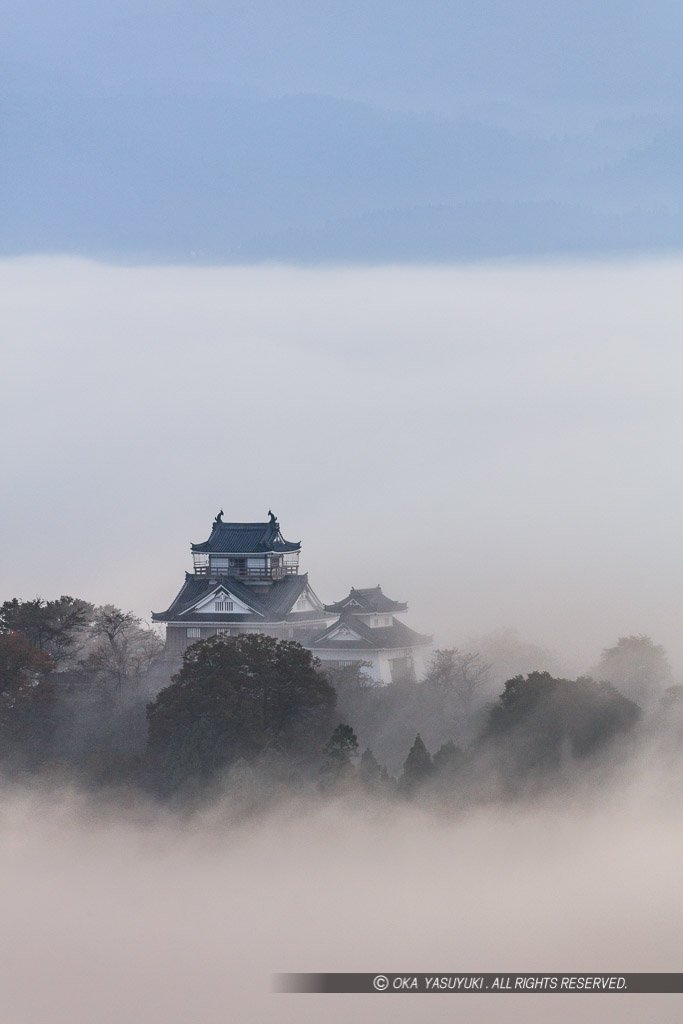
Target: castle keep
(246, 579)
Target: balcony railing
(245, 572)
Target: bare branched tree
(463, 673)
(121, 648)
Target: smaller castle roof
(367, 638)
(370, 599)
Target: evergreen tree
(57, 628)
(369, 770)
(538, 721)
(340, 750)
(342, 745)
(237, 697)
(417, 767)
(26, 698)
(448, 758)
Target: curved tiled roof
(370, 599)
(246, 538)
(271, 603)
(369, 638)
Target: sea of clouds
(115, 909)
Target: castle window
(222, 631)
(224, 606)
(194, 632)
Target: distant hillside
(179, 178)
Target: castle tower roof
(246, 538)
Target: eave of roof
(366, 601)
(246, 539)
(271, 603)
(377, 639)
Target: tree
(637, 666)
(538, 720)
(342, 746)
(373, 776)
(340, 751)
(58, 628)
(672, 698)
(460, 672)
(369, 769)
(668, 720)
(121, 649)
(417, 768)
(237, 697)
(350, 680)
(26, 698)
(509, 654)
(448, 759)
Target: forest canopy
(91, 691)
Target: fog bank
(115, 913)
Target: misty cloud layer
(115, 913)
(496, 445)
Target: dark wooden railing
(244, 572)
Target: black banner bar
(471, 983)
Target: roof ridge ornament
(273, 518)
(219, 519)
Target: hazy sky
(496, 445)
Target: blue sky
(226, 132)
